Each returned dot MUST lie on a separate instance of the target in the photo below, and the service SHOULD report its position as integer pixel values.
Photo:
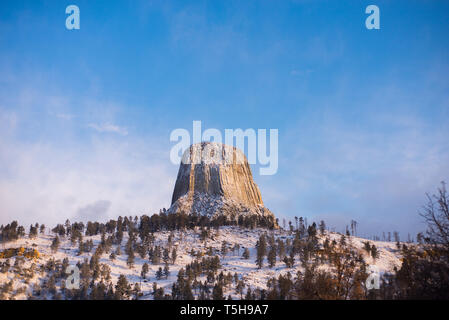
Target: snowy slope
(389, 258)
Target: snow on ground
(388, 257)
(247, 270)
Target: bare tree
(436, 215)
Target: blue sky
(86, 114)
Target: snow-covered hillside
(184, 242)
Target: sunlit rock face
(215, 179)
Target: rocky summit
(215, 180)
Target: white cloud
(341, 171)
(108, 127)
(95, 211)
(51, 170)
(99, 177)
(45, 184)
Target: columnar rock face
(215, 179)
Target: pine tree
(245, 254)
(166, 271)
(122, 288)
(322, 226)
(144, 271)
(159, 274)
(173, 256)
(217, 292)
(236, 248)
(105, 272)
(239, 288)
(367, 247)
(51, 284)
(159, 294)
(224, 248)
(187, 291)
(33, 231)
(272, 257)
(290, 261)
(166, 256)
(281, 249)
(19, 234)
(374, 252)
(136, 291)
(110, 295)
(155, 255)
(249, 295)
(55, 244)
(261, 247)
(130, 259)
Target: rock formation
(215, 180)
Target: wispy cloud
(94, 211)
(108, 127)
(102, 179)
(65, 116)
(374, 168)
(61, 172)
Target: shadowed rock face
(216, 179)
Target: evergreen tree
(136, 292)
(122, 288)
(159, 274)
(155, 255)
(55, 244)
(33, 232)
(245, 254)
(20, 233)
(130, 259)
(322, 226)
(272, 257)
(249, 295)
(166, 256)
(173, 256)
(236, 248)
(374, 252)
(239, 288)
(290, 261)
(261, 248)
(224, 248)
(166, 271)
(144, 271)
(187, 291)
(367, 247)
(217, 292)
(281, 249)
(159, 294)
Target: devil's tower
(215, 180)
